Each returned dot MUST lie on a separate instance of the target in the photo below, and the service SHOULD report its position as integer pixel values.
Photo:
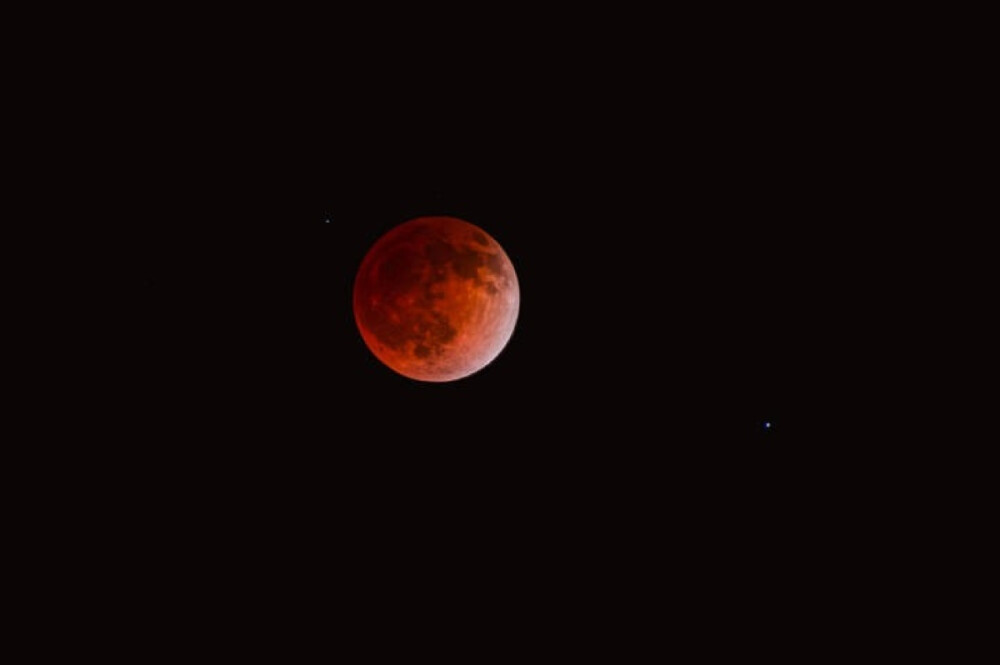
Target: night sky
(676, 225)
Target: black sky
(674, 222)
(676, 215)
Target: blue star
(767, 424)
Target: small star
(767, 424)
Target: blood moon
(436, 299)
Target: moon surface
(436, 299)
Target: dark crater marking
(429, 329)
(399, 272)
(464, 261)
(495, 264)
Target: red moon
(436, 299)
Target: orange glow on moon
(436, 299)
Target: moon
(436, 299)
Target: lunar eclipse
(436, 299)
